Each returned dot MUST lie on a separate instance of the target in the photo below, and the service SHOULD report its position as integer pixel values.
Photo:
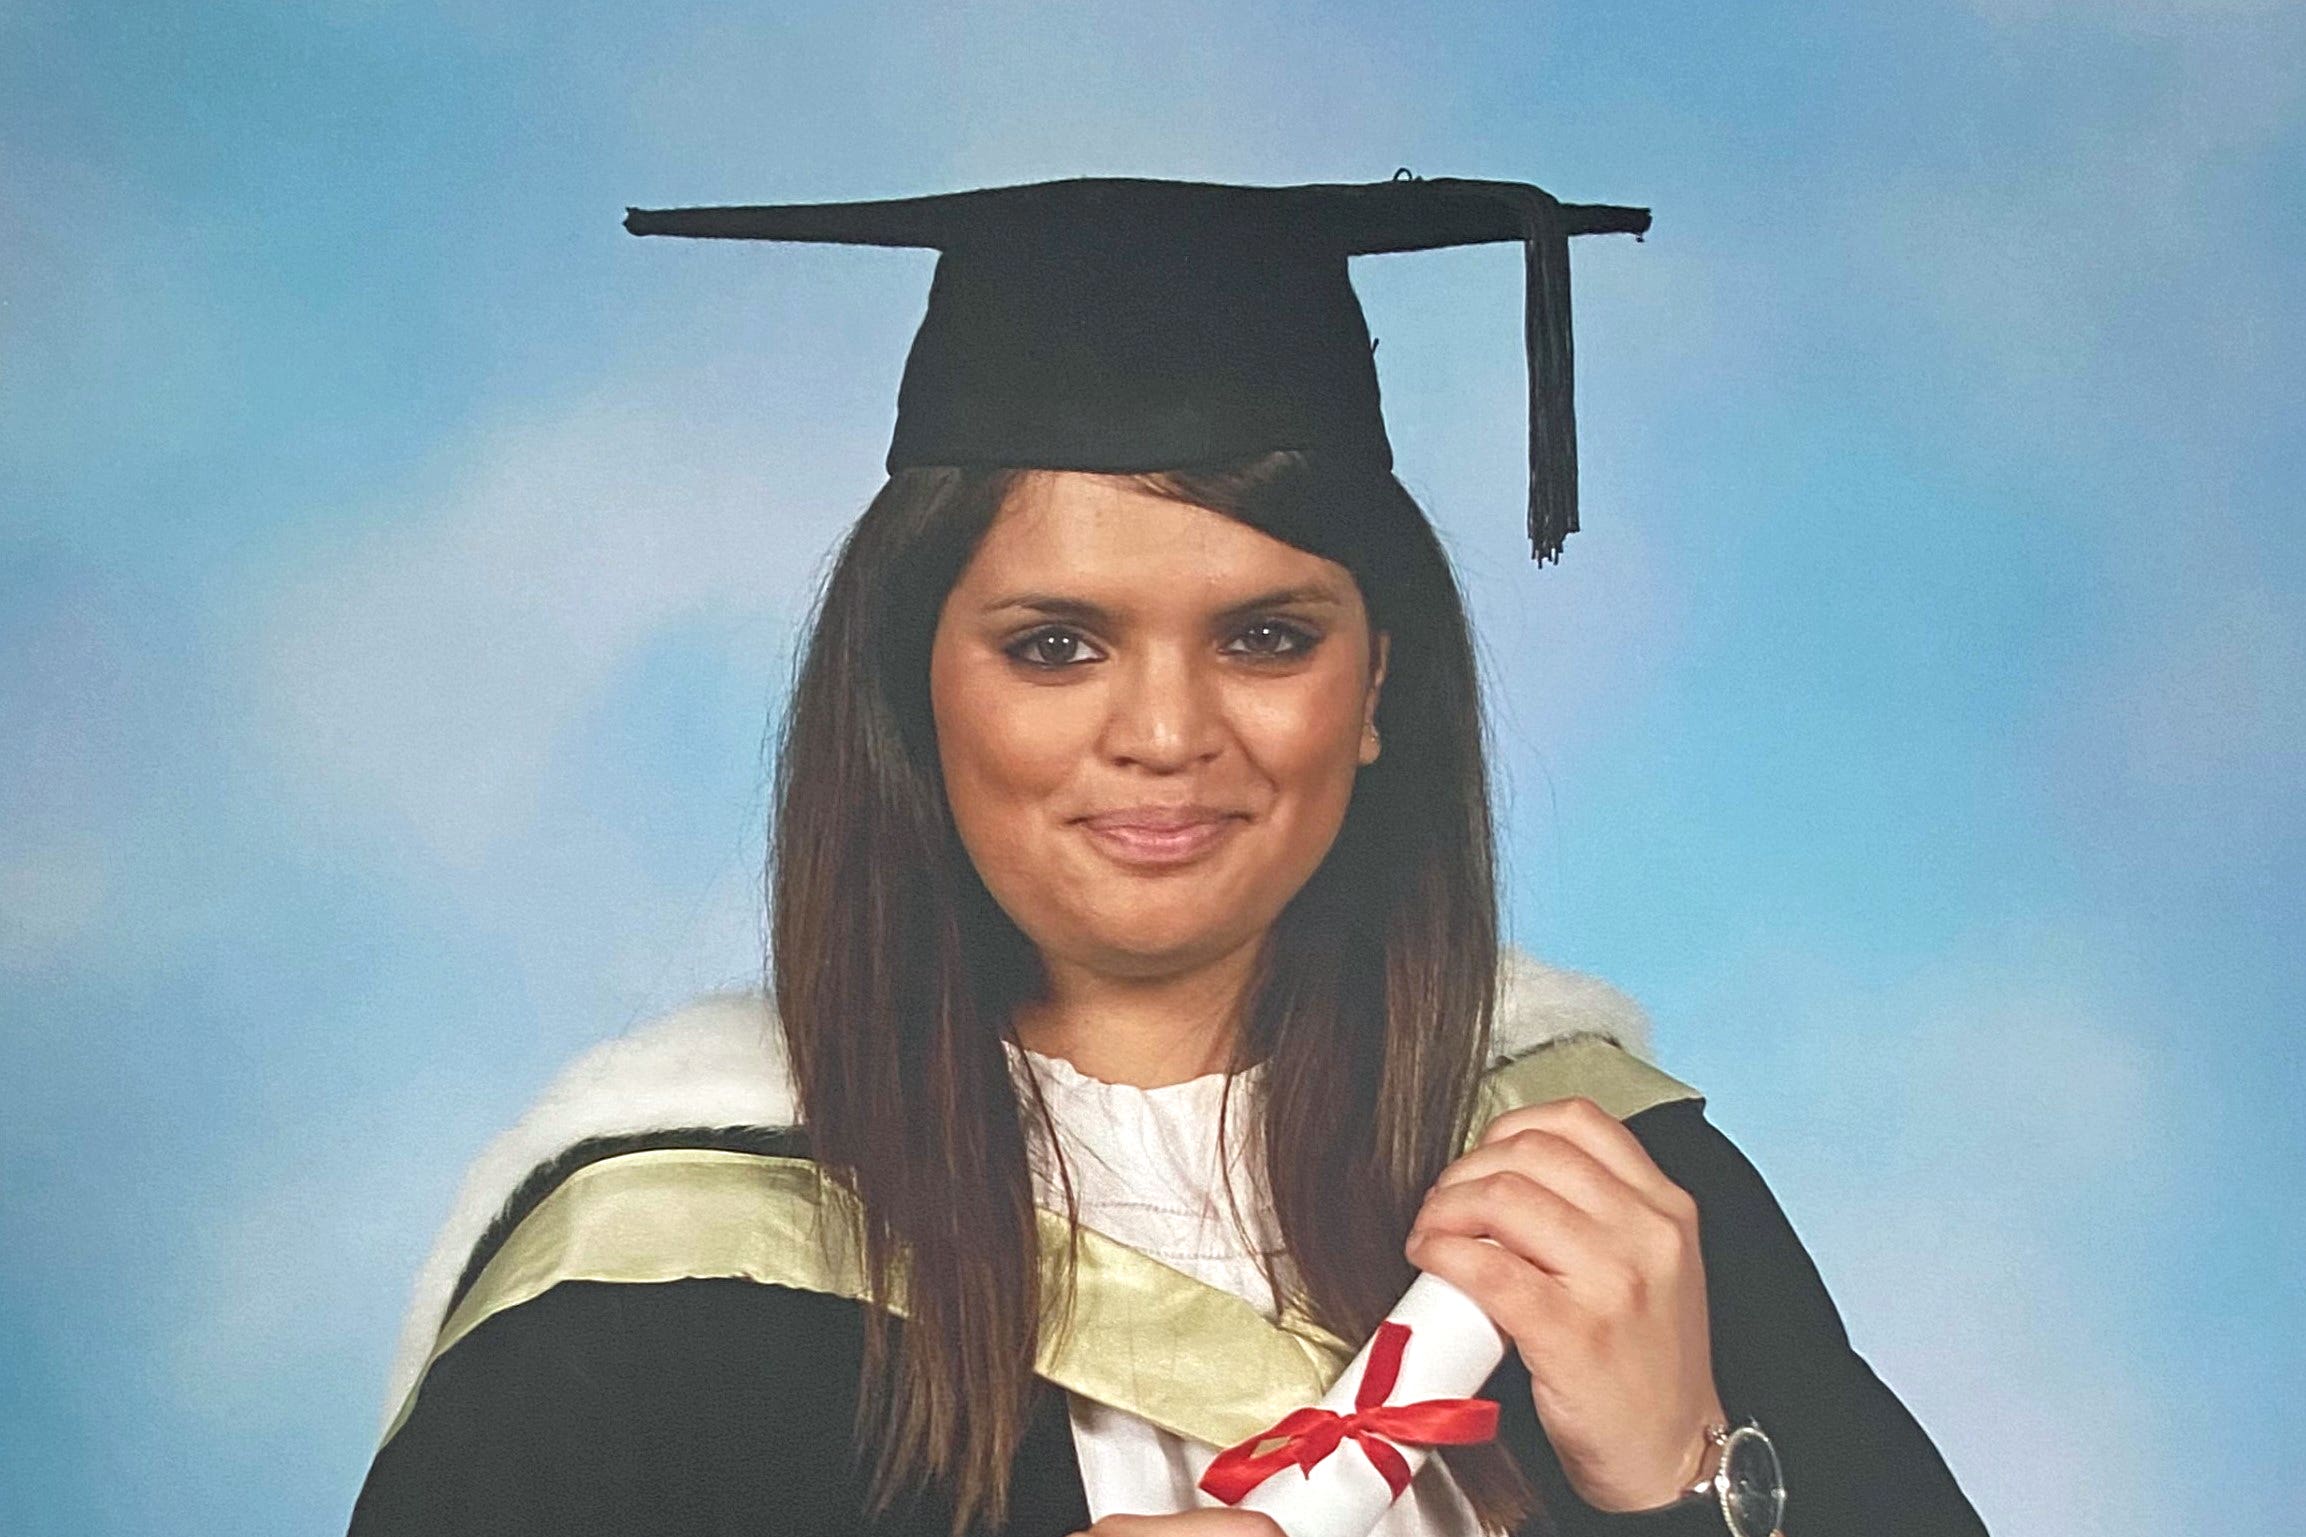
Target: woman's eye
(1049, 649)
(1272, 638)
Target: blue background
(399, 568)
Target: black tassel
(1545, 226)
(1546, 346)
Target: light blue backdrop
(399, 565)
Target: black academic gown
(716, 1406)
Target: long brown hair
(895, 974)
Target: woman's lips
(1159, 843)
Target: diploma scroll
(1332, 1470)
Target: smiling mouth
(1158, 844)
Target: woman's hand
(1594, 1274)
(1188, 1523)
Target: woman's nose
(1163, 712)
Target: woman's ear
(1369, 743)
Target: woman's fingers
(1518, 1296)
(1529, 1219)
(1557, 1162)
(1566, 1190)
(1601, 1136)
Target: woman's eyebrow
(1057, 606)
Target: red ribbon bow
(1305, 1436)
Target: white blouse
(1145, 1170)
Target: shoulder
(1560, 1034)
(673, 1289)
(715, 1065)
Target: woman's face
(1149, 717)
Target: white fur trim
(1537, 1003)
(720, 1061)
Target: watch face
(1756, 1492)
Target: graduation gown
(648, 1337)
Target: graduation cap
(1128, 324)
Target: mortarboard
(1127, 324)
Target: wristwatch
(1740, 1491)
(1740, 1477)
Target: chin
(1150, 943)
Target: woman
(1133, 868)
